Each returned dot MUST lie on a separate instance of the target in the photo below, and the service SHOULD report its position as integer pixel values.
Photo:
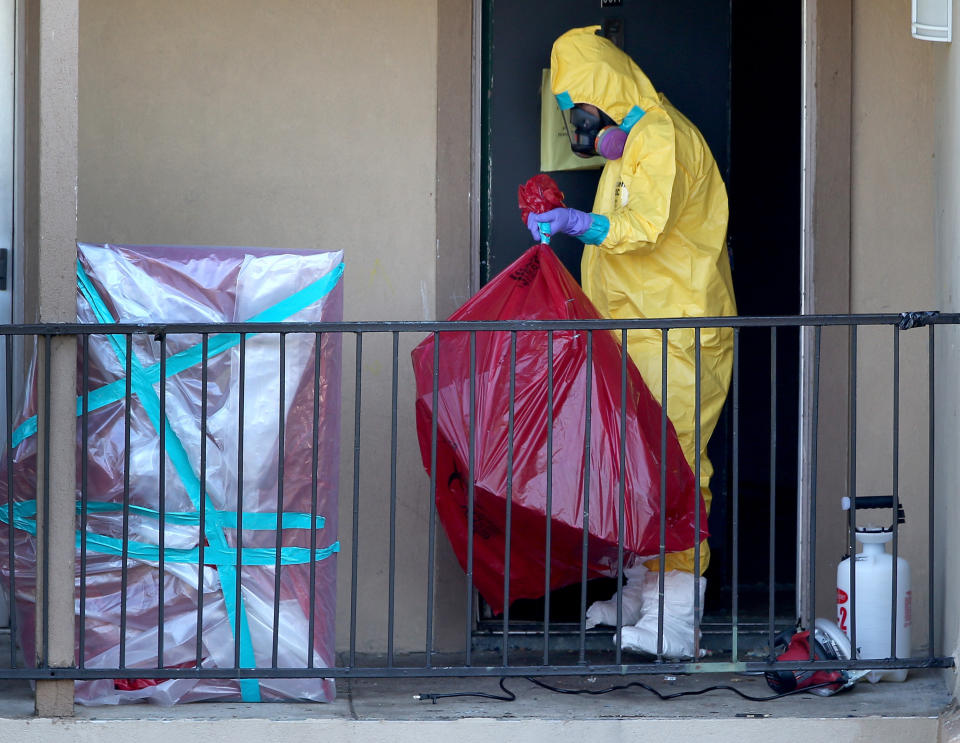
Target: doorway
(734, 68)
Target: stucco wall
(892, 263)
(300, 123)
(290, 124)
(947, 172)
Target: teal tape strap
(24, 431)
(222, 558)
(217, 344)
(252, 521)
(633, 116)
(25, 519)
(544, 228)
(564, 100)
(302, 299)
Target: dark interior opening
(734, 68)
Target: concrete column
(55, 286)
(457, 246)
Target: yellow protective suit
(665, 252)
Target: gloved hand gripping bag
(538, 287)
(208, 285)
(538, 195)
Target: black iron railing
(211, 561)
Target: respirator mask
(593, 134)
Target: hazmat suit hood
(587, 68)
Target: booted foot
(605, 612)
(678, 613)
(642, 638)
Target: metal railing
(212, 561)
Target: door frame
(827, 51)
(826, 72)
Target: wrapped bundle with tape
(210, 539)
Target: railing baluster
(931, 481)
(509, 504)
(125, 529)
(201, 538)
(12, 596)
(584, 553)
(815, 427)
(896, 491)
(735, 497)
(45, 476)
(698, 496)
(549, 506)
(354, 545)
(621, 491)
(162, 499)
(84, 499)
(852, 487)
(664, 351)
(241, 419)
(772, 526)
(278, 536)
(432, 507)
(391, 588)
(471, 474)
(314, 463)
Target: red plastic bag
(537, 286)
(798, 649)
(538, 195)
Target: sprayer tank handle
(874, 501)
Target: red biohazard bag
(538, 287)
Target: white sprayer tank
(874, 582)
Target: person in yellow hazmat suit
(654, 247)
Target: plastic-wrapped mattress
(219, 470)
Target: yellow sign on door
(555, 152)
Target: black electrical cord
(674, 695)
(509, 696)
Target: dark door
(714, 60)
(682, 45)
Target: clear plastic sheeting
(207, 487)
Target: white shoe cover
(605, 612)
(678, 639)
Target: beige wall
(294, 123)
(892, 161)
(892, 262)
(300, 123)
(947, 179)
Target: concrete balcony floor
(371, 709)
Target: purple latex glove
(567, 221)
